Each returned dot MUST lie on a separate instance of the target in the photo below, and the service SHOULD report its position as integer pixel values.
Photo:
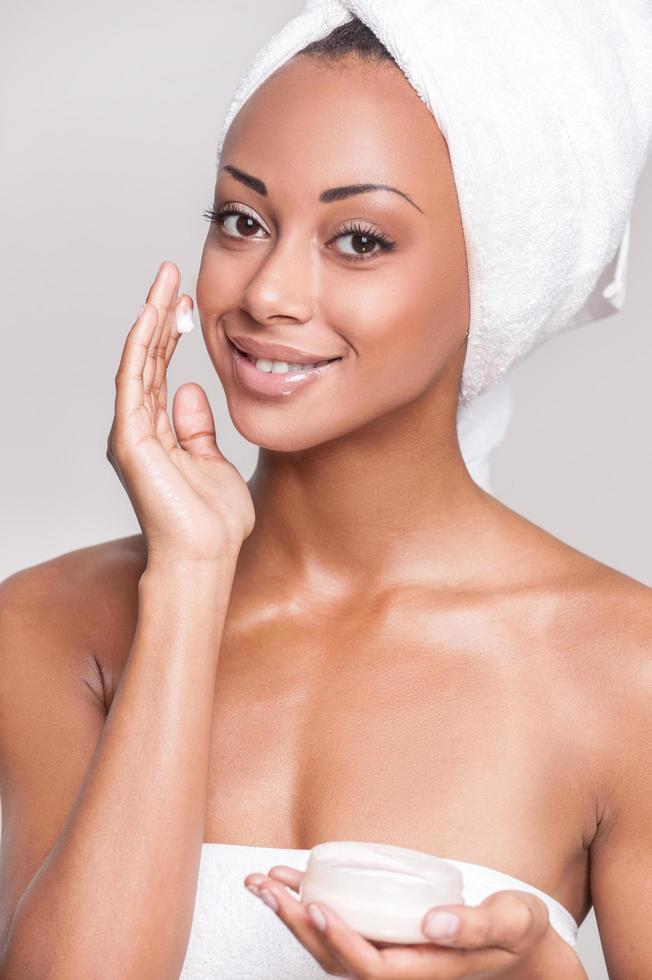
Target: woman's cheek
(219, 285)
(368, 307)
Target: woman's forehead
(326, 125)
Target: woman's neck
(389, 503)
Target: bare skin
(509, 769)
(404, 658)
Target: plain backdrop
(109, 117)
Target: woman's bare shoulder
(555, 565)
(621, 680)
(83, 579)
(598, 617)
(611, 610)
(623, 621)
(85, 602)
(619, 616)
(606, 631)
(596, 621)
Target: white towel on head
(546, 108)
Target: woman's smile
(262, 376)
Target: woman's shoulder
(613, 610)
(619, 619)
(589, 627)
(621, 610)
(85, 580)
(555, 568)
(618, 675)
(81, 605)
(594, 620)
(603, 631)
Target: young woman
(360, 643)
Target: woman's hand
(508, 935)
(191, 502)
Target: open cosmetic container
(380, 890)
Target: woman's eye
(364, 244)
(235, 221)
(360, 245)
(241, 225)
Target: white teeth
(279, 367)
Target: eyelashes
(356, 229)
(353, 228)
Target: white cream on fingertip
(185, 322)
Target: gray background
(109, 117)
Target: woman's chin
(261, 428)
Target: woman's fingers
(294, 915)
(162, 344)
(492, 937)
(129, 392)
(511, 920)
(359, 956)
(414, 961)
(185, 304)
(287, 876)
(193, 421)
(163, 295)
(164, 431)
(137, 366)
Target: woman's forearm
(115, 896)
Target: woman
(361, 643)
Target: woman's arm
(621, 854)
(115, 896)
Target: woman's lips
(276, 352)
(272, 383)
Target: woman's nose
(283, 284)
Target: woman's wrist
(188, 569)
(183, 606)
(202, 584)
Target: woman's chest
(472, 738)
(470, 753)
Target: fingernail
(441, 925)
(184, 320)
(317, 917)
(256, 882)
(252, 889)
(141, 311)
(268, 898)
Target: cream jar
(380, 890)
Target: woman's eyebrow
(332, 194)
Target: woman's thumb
(193, 421)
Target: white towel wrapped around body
(546, 108)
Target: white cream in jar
(380, 890)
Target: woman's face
(377, 279)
